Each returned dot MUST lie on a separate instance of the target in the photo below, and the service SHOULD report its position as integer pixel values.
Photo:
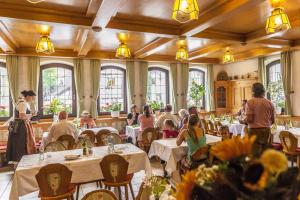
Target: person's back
(262, 110)
(146, 122)
(195, 143)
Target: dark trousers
(262, 139)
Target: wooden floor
(6, 182)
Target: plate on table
(72, 156)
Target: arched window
(57, 89)
(112, 89)
(5, 100)
(158, 86)
(275, 86)
(196, 76)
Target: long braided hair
(193, 120)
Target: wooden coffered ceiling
(151, 33)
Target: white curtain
(95, 81)
(79, 83)
(210, 104)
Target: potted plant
(196, 94)
(156, 106)
(113, 108)
(54, 108)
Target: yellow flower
(274, 161)
(185, 188)
(233, 148)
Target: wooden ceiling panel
(161, 9)
(108, 40)
(26, 34)
(79, 6)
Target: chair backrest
(114, 168)
(55, 146)
(218, 125)
(288, 141)
(67, 140)
(80, 141)
(211, 126)
(149, 135)
(53, 180)
(204, 125)
(90, 134)
(101, 136)
(100, 195)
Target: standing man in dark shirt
(132, 117)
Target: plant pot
(115, 114)
(157, 113)
(278, 110)
(55, 118)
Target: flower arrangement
(155, 105)
(115, 106)
(240, 176)
(156, 184)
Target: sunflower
(185, 188)
(274, 161)
(233, 148)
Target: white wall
(251, 65)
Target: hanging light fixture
(182, 54)
(45, 45)
(185, 10)
(228, 57)
(123, 51)
(279, 20)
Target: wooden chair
(90, 134)
(54, 181)
(211, 128)
(114, 169)
(99, 195)
(148, 136)
(218, 125)
(289, 143)
(67, 140)
(204, 125)
(101, 136)
(80, 141)
(54, 146)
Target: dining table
(84, 169)
(235, 127)
(168, 151)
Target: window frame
(125, 90)
(268, 66)
(3, 65)
(204, 78)
(40, 91)
(167, 82)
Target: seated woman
(169, 130)
(86, 120)
(132, 117)
(194, 137)
(146, 120)
(183, 115)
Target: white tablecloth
(132, 132)
(84, 169)
(235, 128)
(294, 131)
(167, 150)
(96, 130)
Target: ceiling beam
(7, 42)
(168, 58)
(220, 35)
(107, 9)
(152, 47)
(257, 52)
(29, 14)
(93, 7)
(217, 15)
(262, 35)
(144, 25)
(206, 50)
(275, 43)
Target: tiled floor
(6, 181)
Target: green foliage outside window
(196, 94)
(276, 93)
(55, 107)
(155, 105)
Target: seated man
(167, 115)
(63, 127)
